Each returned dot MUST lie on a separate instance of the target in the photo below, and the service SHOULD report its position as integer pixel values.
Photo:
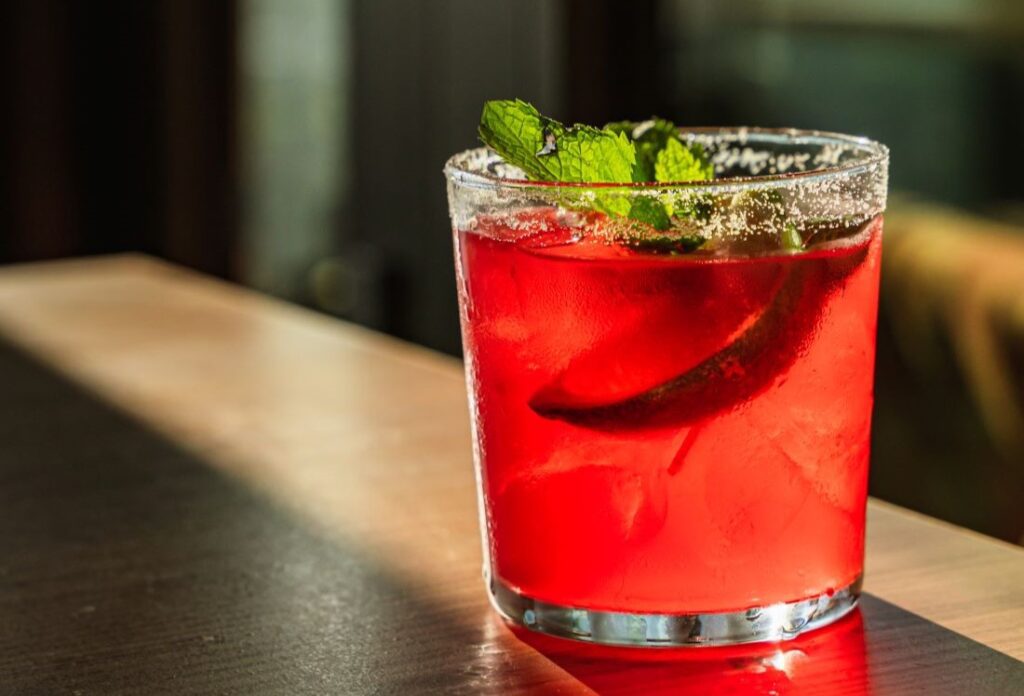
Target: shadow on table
(879, 649)
(129, 565)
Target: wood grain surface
(207, 491)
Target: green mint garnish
(649, 138)
(548, 151)
(620, 153)
(790, 238)
(651, 211)
(676, 162)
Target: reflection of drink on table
(832, 661)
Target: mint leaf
(549, 151)
(650, 211)
(651, 138)
(623, 127)
(515, 130)
(676, 162)
(621, 152)
(648, 137)
(790, 238)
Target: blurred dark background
(296, 147)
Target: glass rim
(871, 154)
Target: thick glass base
(773, 622)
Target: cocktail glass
(672, 447)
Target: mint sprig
(791, 238)
(676, 162)
(623, 152)
(649, 138)
(549, 151)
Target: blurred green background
(296, 147)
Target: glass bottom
(773, 622)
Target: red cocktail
(672, 448)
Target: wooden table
(203, 490)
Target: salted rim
(873, 154)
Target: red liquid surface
(669, 434)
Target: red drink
(673, 448)
(749, 489)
